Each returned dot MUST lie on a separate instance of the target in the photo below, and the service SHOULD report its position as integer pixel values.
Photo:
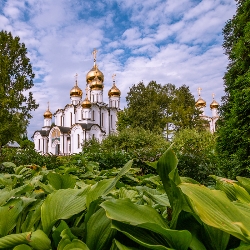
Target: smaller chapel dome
(214, 104)
(86, 104)
(76, 91)
(114, 91)
(47, 114)
(200, 103)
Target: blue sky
(167, 41)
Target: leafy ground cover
(85, 207)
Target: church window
(102, 119)
(93, 97)
(70, 118)
(78, 141)
(93, 115)
(93, 136)
(111, 121)
(39, 145)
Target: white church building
(80, 120)
(201, 104)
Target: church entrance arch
(55, 138)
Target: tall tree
(234, 126)
(16, 78)
(161, 109)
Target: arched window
(78, 141)
(111, 121)
(70, 118)
(93, 115)
(102, 120)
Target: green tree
(196, 153)
(234, 125)
(16, 78)
(159, 108)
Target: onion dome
(76, 91)
(94, 72)
(200, 103)
(47, 114)
(214, 104)
(96, 84)
(114, 91)
(86, 104)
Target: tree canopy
(16, 78)
(159, 108)
(234, 126)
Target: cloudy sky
(169, 41)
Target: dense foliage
(159, 108)
(196, 152)
(131, 143)
(87, 208)
(16, 78)
(234, 126)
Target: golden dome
(93, 73)
(86, 104)
(214, 104)
(114, 91)
(200, 103)
(96, 84)
(76, 91)
(47, 114)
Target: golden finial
(94, 55)
(76, 76)
(48, 106)
(199, 91)
(113, 77)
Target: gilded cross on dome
(113, 77)
(199, 91)
(48, 105)
(94, 54)
(213, 95)
(87, 89)
(76, 75)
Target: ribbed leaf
(245, 182)
(121, 246)
(22, 247)
(141, 236)
(58, 181)
(241, 194)
(9, 214)
(225, 185)
(99, 231)
(62, 204)
(148, 218)
(105, 186)
(215, 209)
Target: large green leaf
(9, 214)
(245, 182)
(7, 193)
(241, 194)
(142, 236)
(22, 247)
(215, 209)
(58, 181)
(145, 217)
(120, 246)
(99, 231)
(62, 204)
(37, 240)
(103, 187)
(167, 170)
(32, 217)
(218, 239)
(225, 185)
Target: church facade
(81, 119)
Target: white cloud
(167, 41)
